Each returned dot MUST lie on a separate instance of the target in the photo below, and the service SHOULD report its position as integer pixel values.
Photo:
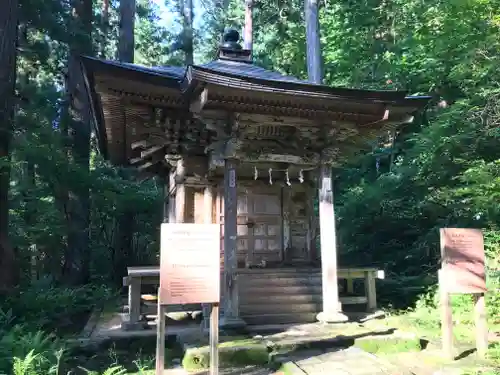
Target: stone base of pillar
(331, 317)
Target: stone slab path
(350, 361)
(248, 370)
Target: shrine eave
(239, 75)
(114, 89)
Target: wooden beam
(153, 151)
(199, 101)
(148, 166)
(140, 144)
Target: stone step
(280, 281)
(261, 319)
(279, 275)
(284, 290)
(281, 299)
(280, 308)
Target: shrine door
(259, 238)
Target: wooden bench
(137, 276)
(369, 275)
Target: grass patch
(389, 345)
(131, 354)
(236, 352)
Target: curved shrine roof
(232, 85)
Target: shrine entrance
(259, 226)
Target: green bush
(52, 308)
(23, 352)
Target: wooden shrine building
(250, 149)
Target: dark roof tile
(249, 71)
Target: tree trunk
(77, 256)
(187, 24)
(104, 28)
(8, 53)
(125, 218)
(248, 36)
(126, 38)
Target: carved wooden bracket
(199, 101)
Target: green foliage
(389, 345)
(28, 352)
(51, 308)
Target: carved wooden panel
(244, 241)
(266, 204)
(298, 225)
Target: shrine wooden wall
(291, 239)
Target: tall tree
(8, 53)
(187, 24)
(126, 38)
(248, 36)
(125, 216)
(76, 267)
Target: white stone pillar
(332, 309)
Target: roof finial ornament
(230, 48)
(230, 39)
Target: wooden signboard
(462, 258)
(462, 272)
(189, 264)
(189, 273)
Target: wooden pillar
(312, 224)
(208, 197)
(371, 291)
(286, 200)
(230, 303)
(180, 194)
(331, 305)
(172, 199)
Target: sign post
(189, 273)
(462, 272)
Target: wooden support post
(166, 196)
(172, 198)
(446, 319)
(230, 302)
(286, 198)
(134, 303)
(214, 340)
(371, 291)
(481, 325)
(180, 194)
(160, 339)
(208, 197)
(331, 305)
(350, 286)
(311, 248)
